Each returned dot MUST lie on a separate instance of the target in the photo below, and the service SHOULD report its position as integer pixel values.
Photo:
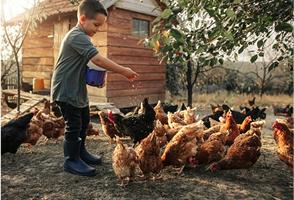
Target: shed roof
(54, 7)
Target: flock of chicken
(226, 139)
(29, 128)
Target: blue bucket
(95, 76)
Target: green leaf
(284, 26)
(261, 54)
(230, 13)
(221, 61)
(228, 35)
(259, 43)
(273, 66)
(280, 58)
(241, 50)
(176, 34)
(253, 58)
(166, 13)
(237, 1)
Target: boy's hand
(130, 74)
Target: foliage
(208, 31)
(14, 33)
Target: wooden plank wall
(124, 49)
(37, 54)
(100, 42)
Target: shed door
(60, 29)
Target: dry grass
(232, 99)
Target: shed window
(140, 28)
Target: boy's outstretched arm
(112, 66)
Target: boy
(69, 90)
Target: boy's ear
(82, 18)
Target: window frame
(140, 35)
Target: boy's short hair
(90, 8)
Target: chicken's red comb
(110, 116)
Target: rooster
(284, 139)
(243, 153)
(138, 126)
(124, 162)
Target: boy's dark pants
(76, 156)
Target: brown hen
(160, 114)
(124, 162)
(182, 149)
(284, 140)
(149, 155)
(231, 128)
(243, 153)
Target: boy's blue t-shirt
(69, 76)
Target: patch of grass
(231, 99)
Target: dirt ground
(37, 173)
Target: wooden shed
(129, 21)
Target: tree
(15, 32)
(199, 34)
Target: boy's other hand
(130, 74)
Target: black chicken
(137, 126)
(14, 133)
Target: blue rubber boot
(73, 163)
(86, 156)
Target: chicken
(175, 120)
(138, 126)
(10, 104)
(215, 108)
(283, 111)
(45, 111)
(91, 130)
(149, 155)
(284, 140)
(53, 127)
(189, 115)
(160, 114)
(255, 113)
(171, 132)
(124, 162)
(14, 133)
(169, 108)
(211, 130)
(160, 133)
(231, 127)
(251, 102)
(212, 149)
(34, 132)
(108, 127)
(243, 153)
(289, 121)
(215, 116)
(245, 126)
(257, 124)
(182, 149)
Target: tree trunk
(18, 81)
(189, 83)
